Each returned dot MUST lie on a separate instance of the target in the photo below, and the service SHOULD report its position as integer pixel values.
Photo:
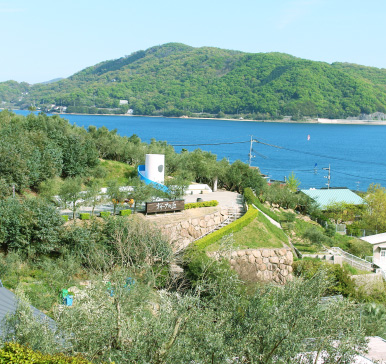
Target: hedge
(14, 353)
(125, 212)
(233, 227)
(65, 217)
(84, 216)
(195, 205)
(105, 213)
(250, 198)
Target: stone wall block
(274, 259)
(251, 259)
(266, 253)
(282, 252)
(256, 253)
(289, 257)
(185, 224)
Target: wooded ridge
(175, 79)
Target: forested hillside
(176, 79)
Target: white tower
(155, 167)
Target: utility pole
(250, 152)
(328, 177)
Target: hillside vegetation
(175, 79)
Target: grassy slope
(260, 233)
(116, 171)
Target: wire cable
(319, 155)
(197, 145)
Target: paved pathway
(224, 198)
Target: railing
(353, 260)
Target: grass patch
(260, 233)
(306, 248)
(354, 271)
(118, 171)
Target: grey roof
(375, 239)
(8, 304)
(325, 197)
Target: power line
(197, 145)
(319, 155)
(352, 175)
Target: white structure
(155, 167)
(123, 102)
(378, 242)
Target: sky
(42, 40)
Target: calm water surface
(356, 153)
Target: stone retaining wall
(182, 233)
(262, 265)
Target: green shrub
(84, 216)
(105, 213)
(126, 212)
(65, 217)
(237, 225)
(249, 196)
(316, 236)
(14, 353)
(195, 205)
(338, 277)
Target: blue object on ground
(158, 186)
(68, 300)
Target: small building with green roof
(325, 197)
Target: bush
(65, 217)
(14, 353)
(249, 196)
(316, 236)
(31, 225)
(338, 277)
(84, 216)
(237, 225)
(126, 212)
(105, 213)
(195, 205)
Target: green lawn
(260, 233)
(116, 171)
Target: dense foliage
(215, 321)
(36, 148)
(175, 79)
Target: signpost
(165, 206)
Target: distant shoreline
(308, 121)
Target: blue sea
(356, 154)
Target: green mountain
(176, 79)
